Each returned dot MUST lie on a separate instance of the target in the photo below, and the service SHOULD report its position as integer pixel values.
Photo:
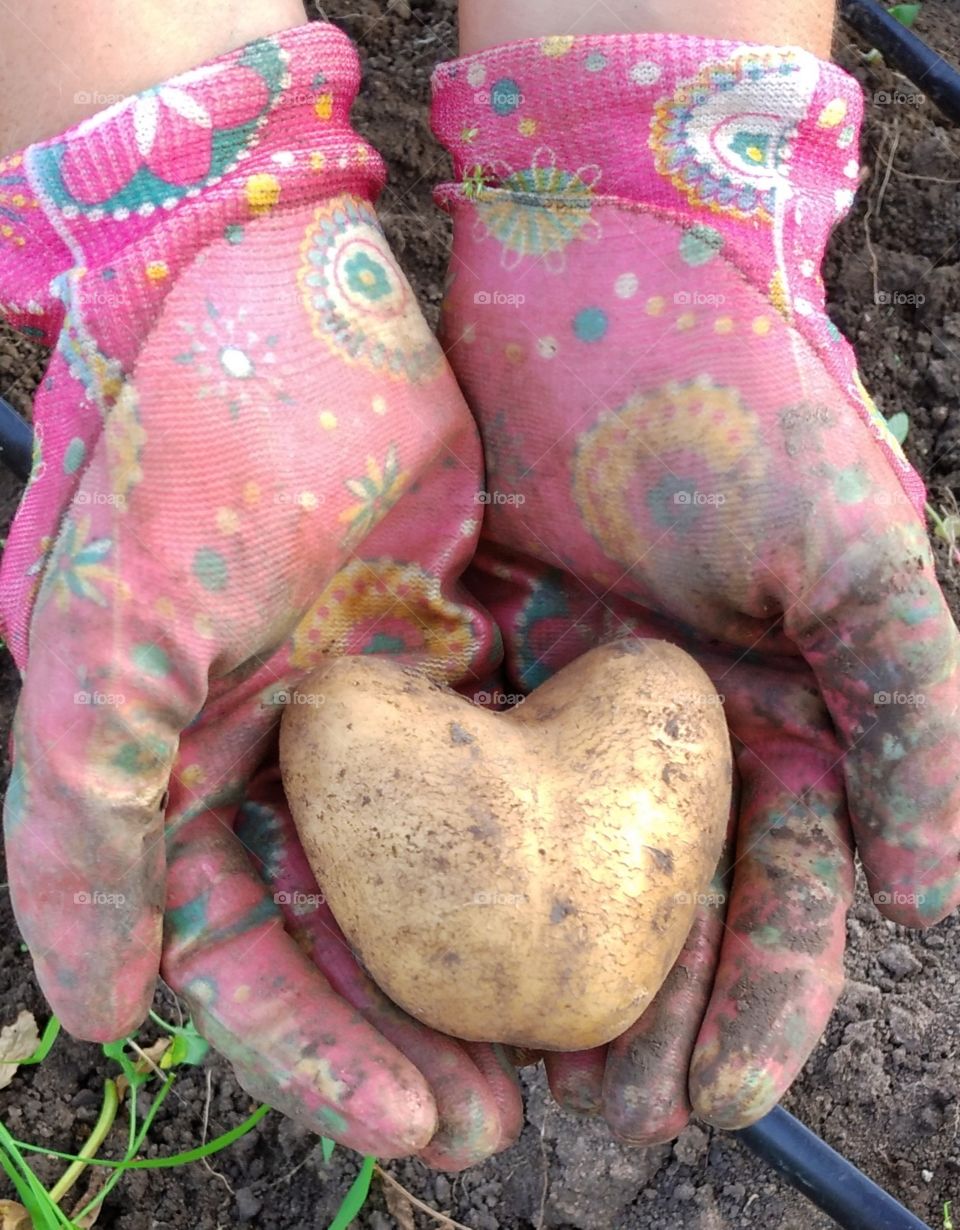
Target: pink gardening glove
(678, 444)
(250, 453)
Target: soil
(883, 1086)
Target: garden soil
(883, 1086)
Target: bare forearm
(63, 60)
(801, 23)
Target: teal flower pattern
(78, 568)
(366, 276)
(357, 298)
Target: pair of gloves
(252, 453)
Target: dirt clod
(898, 960)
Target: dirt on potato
(883, 1086)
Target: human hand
(274, 986)
(678, 444)
(243, 437)
(762, 967)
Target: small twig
(288, 1175)
(874, 263)
(203, 1136)
(546, 1170)
(868, 235)
(148, 1060)
(888, 170)
(437, 1216)
(927, 179)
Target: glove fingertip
(660, 1132)
(919, 908)
(99, 1000)
(732, 1098)
(642, 1117)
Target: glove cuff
(758, 144)
(176, 165)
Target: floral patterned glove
(244, 437)
(678, 444)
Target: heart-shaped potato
(526, 876)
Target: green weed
(139, 1069)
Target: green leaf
(188, 1047)
(158, 1163)
(117, 1052)
(906, 14)
(194, 1155)
(356, 1197)
(327, 1147)
(44, 1214)
(185, 1048)
(899, 425)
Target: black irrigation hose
(834, 1185)
(16, 441)
(928, 71)
(798, 1155)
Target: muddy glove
(243, 440)
(678, 444)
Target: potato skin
(526, 877)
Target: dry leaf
(152, 1054)
(84, 1223)
(399, 1207)
(17, 1041)
(13, 1216)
